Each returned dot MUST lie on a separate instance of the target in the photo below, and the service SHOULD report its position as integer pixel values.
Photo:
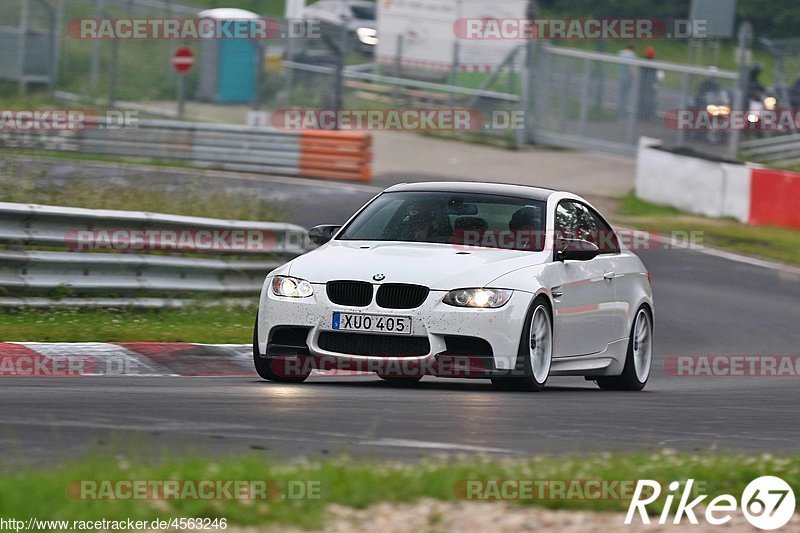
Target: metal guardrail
(317, 154)
(351, 73)
(782, 149)
(47, 225)
(26, 274)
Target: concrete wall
(775, 198)
(692, 184)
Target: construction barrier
(336, 155)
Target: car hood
(438, 266)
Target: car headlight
(291, 287)
(478, 297)
(367, 35)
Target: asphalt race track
(705, 305)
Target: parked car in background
(358, 17)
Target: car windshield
(363, 12)
(484, 220)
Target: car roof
(504, 189)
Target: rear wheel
(535, 353)
(278, 370)
(639, 357)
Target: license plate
(397, 325)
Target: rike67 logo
(767, 502)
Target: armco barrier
(317, 154)
(55, 226)
(775, 150)
(135, 255)
(717, 189)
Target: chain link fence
(29, 40)
(601, 101)
(535, 92)
(310, 79)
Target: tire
(639, 357)
(535, 354)
(272, 369)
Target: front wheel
(638, 359)
(277, 370)
(535, 353)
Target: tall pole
(51, 42)
(526, 75)
(53, 23)
(112, 75)
(23, 44)
(739, 102)
(259, 73)
(94, 67)
(181, 95)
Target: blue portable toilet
(227, 72)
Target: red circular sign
(183, 60)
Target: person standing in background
(625, 80)
(647, 87)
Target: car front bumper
(500, 328)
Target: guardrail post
(739, 102)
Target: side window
(567, 221)
(596, 231)
(576, 221)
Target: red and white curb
(61, 359)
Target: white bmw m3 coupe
(505, 282)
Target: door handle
(608, 276)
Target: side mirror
(322, 234)
(575, 249)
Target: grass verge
(94, 194)
(214, 324)
(765, 242)
(359, 484)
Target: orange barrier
(344, 155)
